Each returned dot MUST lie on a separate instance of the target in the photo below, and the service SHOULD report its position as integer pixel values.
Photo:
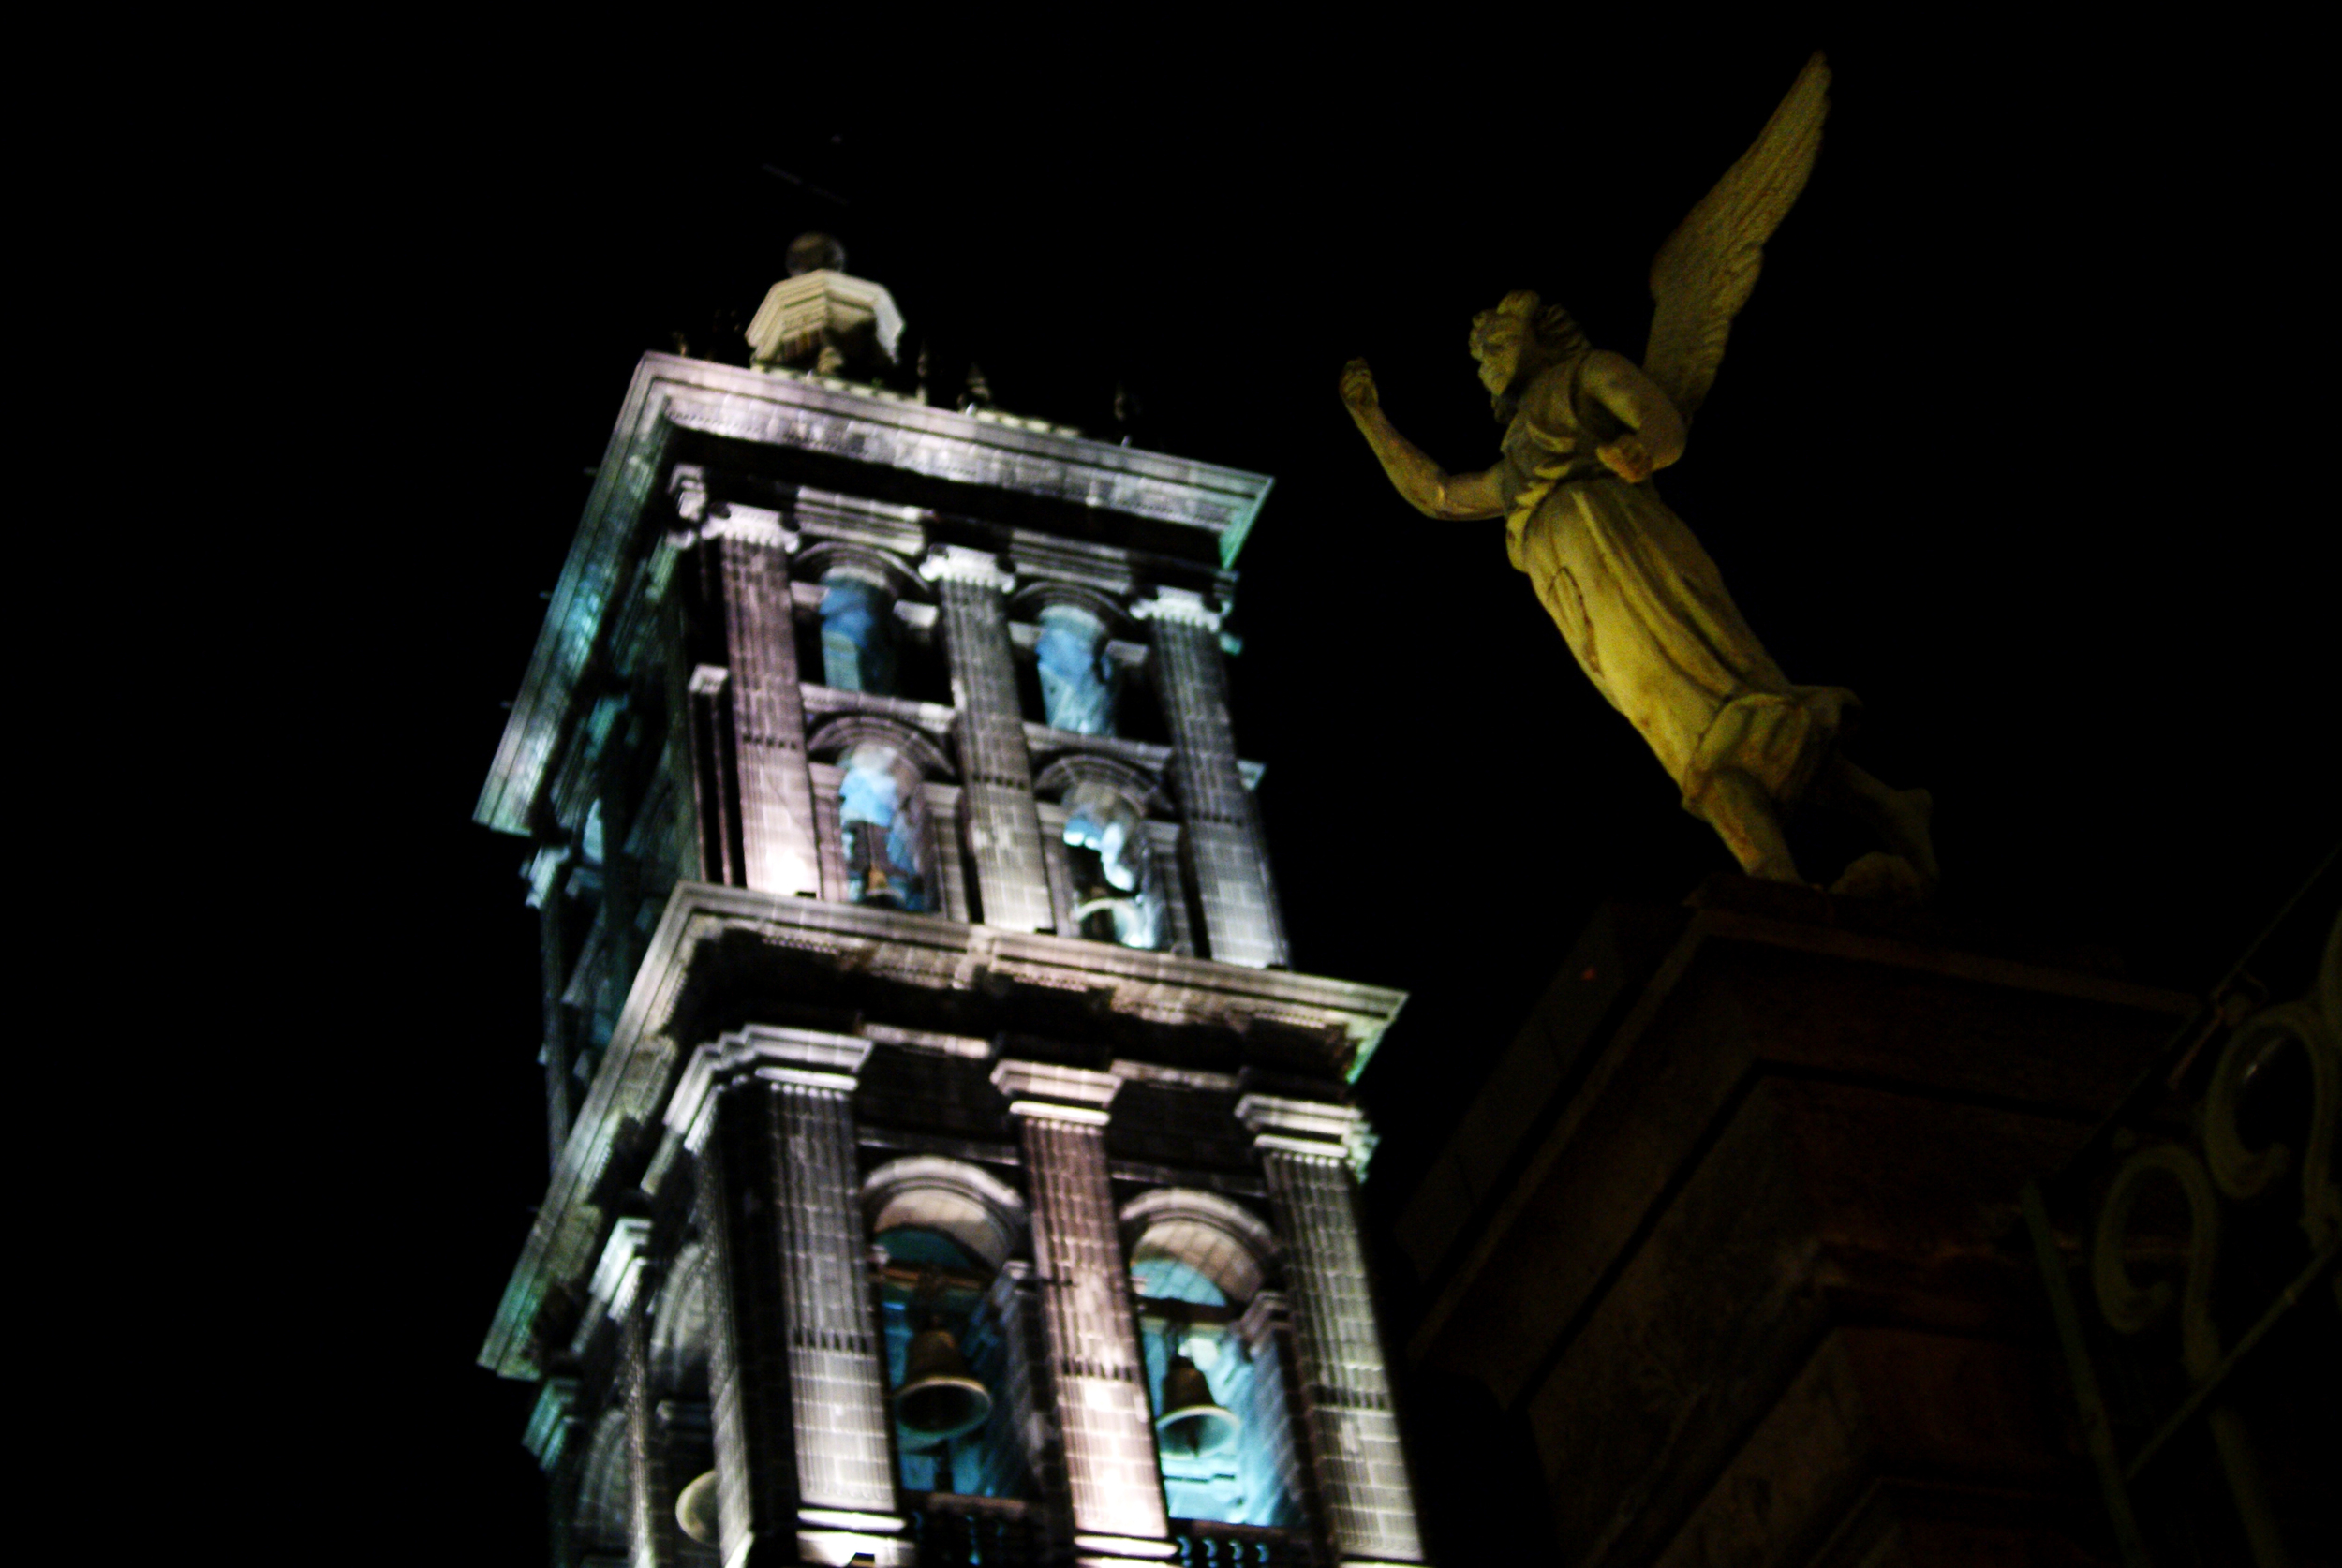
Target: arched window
(681, 1327)
(882, 815)
(953, 1368)
(1222, 1439)
(857, 633)
(604, 1489)
(1079, 683)
(1118, 896)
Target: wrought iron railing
(2188, 1253)
(1204, 1544)
(956, 1532)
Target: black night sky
(2018, 439)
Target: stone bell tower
(946, 1166)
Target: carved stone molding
(958, 563)
(1182, 605)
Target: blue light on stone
(1077, 685)
(1115, 895)
(857, 635)
(883, 859)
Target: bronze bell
(937, 1399)
(695, 1510)
(1193, 1426)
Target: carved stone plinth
(1729, 1249)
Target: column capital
(1044, 1089)
(956, 563)
(617, 1279)
(749, 525)
(1308, 1127)
(805, 1057)
(1181, 606)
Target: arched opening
(1197, 1263)
(606, 1495)
(954, 1372)
(1118, 894)
(858, 641)
(676, 1357)
(882, 814)
(1079, 685)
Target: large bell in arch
(695, 1510)
(937, 1399)
(1193, 1425)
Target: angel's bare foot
(1901, 817)
(1889, 879)
(1744, 817)
(1907, 818)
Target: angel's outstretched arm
(1424, 484)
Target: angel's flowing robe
(1644, 609)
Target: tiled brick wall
(1003, 834)
(1361, 1474)
(1101, 1390)
(838, 1382)
(1241, 923)
(775, 797)
(747, 1364)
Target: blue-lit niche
(859, 632)
(881, 816)
(1117, 889)
(1223, 1440)
(1079, 684)
(943, 1229)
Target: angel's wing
(1703, 274)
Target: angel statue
(1640, 604)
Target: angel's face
(1496, 342)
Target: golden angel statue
(1642, 607)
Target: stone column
(1241, 922)
(1362, 1484)
(1099, 1380)
(776, 838)
(650, 1530)
(1003, 833)
(621, 881)
(803, 1461)
(546, 875)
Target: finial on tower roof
(818, 319)
(816, 252)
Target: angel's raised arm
(1423, 484)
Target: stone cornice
(642, 1070)
(669, 394)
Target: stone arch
(680, 1325)
(1225, 1244)
(605, 1494)
(1030, 600)
(841, 736)
(885, 569)
(1145, 793)
(981, 1213)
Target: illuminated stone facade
(913, 975)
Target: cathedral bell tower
(947, 1168)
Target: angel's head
(1520, 336)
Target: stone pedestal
(1730, 1239)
